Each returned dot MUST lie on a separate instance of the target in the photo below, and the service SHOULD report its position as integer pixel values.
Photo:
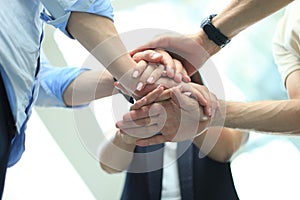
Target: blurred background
(57, 163)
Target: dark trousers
(7, 130)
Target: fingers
(182, 100)
(137, 123)
(150, 73)
(140, 68)
(182, 71)
(148, 99)
(143, 131)
(202, 95)
(150, 68)
(147, 55)
(142, 58)
(168, 62)
(136, 114)
(156, 74)
(156, 139)
(156, 43)
(185, 102)
(157, 95)
(146, 111)
(146, 121)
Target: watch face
(204, 22)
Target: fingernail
(135, 74)
(187, 93)
(171, 72)
(150, 80)
(155, 56)
(204, 118)
(139, 86)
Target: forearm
(265, 116)
(99, 36)
(116, 155)
(88, 86)
(229, 141)
(239, 15)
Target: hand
(177, 119)
(205, 98)
(190, 50)
(165, 65)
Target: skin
(108, 48)
(263, 116)
(266, 116)
(194, 50)
(122, 145)
(101, 83)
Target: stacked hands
(168, 102)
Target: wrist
(124, 142)
(210, 47)
(219, 116)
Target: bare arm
(293, 85)
(99, 36)
(265, 116)
(239, 15)
(274, 116)
(197, 48)
(229, 141)
(88, 86)
(116, 155)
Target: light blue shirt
(20, 40)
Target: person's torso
(20, 37)
(199, 178)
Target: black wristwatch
(213, 33)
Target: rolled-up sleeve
(57, 12)
(52, 83)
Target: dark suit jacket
(199, 178)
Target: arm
(262, 116)
(99, 36)
(276, 116)
(265, 116)
(80, 91)
(116, 155)
(68, 86)
(228, 143)
(177, 121)
(237, 16)
(91, 23)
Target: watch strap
(213, 33)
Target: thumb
(187, 103)
(180, 99)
